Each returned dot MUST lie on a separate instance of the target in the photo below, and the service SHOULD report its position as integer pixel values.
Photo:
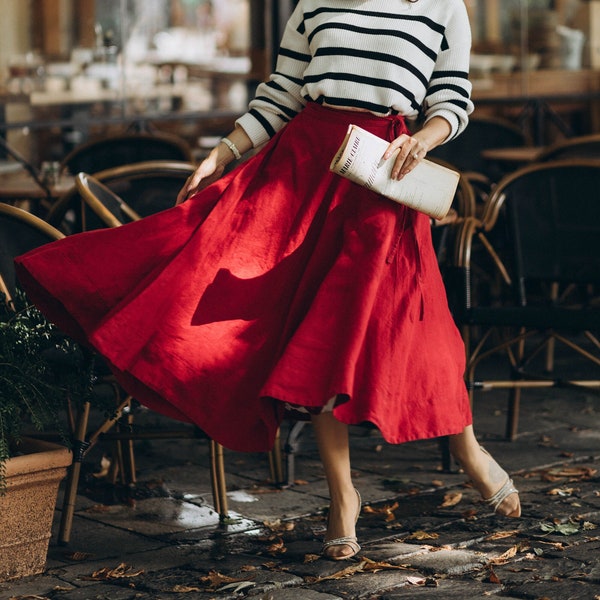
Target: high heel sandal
(350, 541)
(506, 489)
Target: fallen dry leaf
(185, 589)
(78, 556)
(216, 579)
(562, 491)
(412, 580)
(374, 566)
(346, 572)
(310, 558)
(545, 441)
(247, 568)
(277, 547)
(387, 511)
(422, 535)
(237, 587)
(98, 508)
(451, 499)
(265, 490)
(500, 535)
(571, 473)
(492, 577)
(505, 556)
(278, 526)
(120, 572)
(366, 565)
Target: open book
(429, 187)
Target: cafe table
(515, 156)
(19, 188)
(509, 159)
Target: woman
(283, 286)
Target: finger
(186, 191)
(398, 144)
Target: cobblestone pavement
(424, 533)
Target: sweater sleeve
(449, 91)
(279, 99)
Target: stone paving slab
(413, 547)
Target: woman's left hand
(411, 152)
(414, 148)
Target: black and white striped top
(385, 56)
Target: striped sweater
(385, 56)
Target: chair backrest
(147, 187)
(464, 202)
(107, 205)
(20, 231)
(584, 146)
(481, 134)
(98, 155)
(552, 219)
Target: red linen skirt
(280, 283)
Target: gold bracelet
(232, 147)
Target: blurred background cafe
(75, 71)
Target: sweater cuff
(254, 130)
(456, 121)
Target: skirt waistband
(388, 126)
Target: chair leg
(292, 444)
(130, 456)
(514, 398)
(551, 342)
(276, 462)
(217, 473)
(79, 447)
(444, 444)
(512, 417)
(116, 464)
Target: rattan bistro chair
(584, 146)
(107, 205)
(20, 231)
(114, 212)
(116, 150)
(149, 186)
(549, 268)
(146, 187)
(482, 133)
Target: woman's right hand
(212, 167)
(207, 172)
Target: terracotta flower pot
(27, 508)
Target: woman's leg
(485, 473)
(334, 450)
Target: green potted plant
(40, 369)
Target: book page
(429, 187)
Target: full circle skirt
(281, 283)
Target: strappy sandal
(501, 495)
(506, 489)
(350, 541)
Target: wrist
(231, 148)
